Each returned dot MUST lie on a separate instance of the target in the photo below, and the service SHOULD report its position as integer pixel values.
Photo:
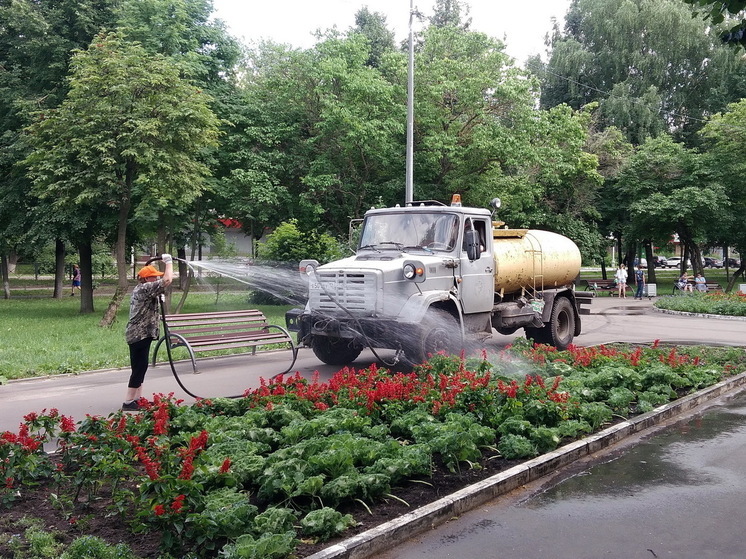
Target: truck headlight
(414, 271)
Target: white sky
(522, 24)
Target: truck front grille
(355, 291)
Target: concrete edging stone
(699, 315)
(392, 533)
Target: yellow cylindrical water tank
(533, 259)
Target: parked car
(659, 261)
(712, 262)
(644, 262)
(675, 262)
(733, 263)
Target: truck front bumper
(368, 331)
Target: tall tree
(650, 65)
(669, 189)
(36, 40)
(124, 143)
(451, 13)
(725, 134)
(319, 134)
(372, 25)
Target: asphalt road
(101, 392)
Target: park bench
(711, 286)
(226, 330)
(598, 284)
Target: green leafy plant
(325, 523)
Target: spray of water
(281, 281)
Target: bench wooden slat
(223, 330)
(207, 340)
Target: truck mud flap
(583, 300)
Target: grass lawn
(43, 336)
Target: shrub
(288, 243)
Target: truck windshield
(402, 231)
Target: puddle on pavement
(696, 452)
(625, 310)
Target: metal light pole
(409, 194)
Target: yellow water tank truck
(429, 277)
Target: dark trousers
(640, 289)
(139, 353)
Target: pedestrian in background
(640, 280)
(142, 327)
(621, 280)
(76, 279)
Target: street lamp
(409, 194)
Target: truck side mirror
(473, 248)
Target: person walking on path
(142, 327)
(76, 279)
(621, 280)
(640, 280)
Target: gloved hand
(166, 257)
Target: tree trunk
(59, 269)
(85, 255)
(120, 251)
(741, 272)
(183, 268)
(649, 257)
(4, 272)
(162, 242)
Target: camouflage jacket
(143, 320)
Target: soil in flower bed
(93, 518)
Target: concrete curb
(392, 533)
(699, 315)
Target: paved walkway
(101, 392)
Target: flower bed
(730, 304)
(296, 462)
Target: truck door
(477, 285)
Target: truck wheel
(334, 351)
(561, 328)
(440, 331)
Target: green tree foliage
(668, 189)
(36, 40)
(372, 25)
(651, 66)
(288, 243)
(319, 135)
(717, 10)
(725, 135)
(451, 13)
(124, 143)
(477, 133)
